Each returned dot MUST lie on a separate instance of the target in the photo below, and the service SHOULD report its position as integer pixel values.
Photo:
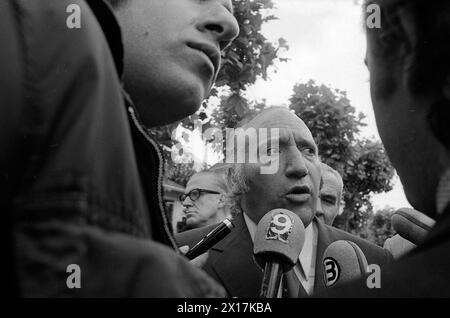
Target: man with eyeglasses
(204, 200)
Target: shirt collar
(306, 255)
(111, 29)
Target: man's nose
(295, 164)
(187, 202)
(319, 208)
(221, 23)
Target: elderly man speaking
(294, 186)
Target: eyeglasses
(195, 194)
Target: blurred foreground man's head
(295, 183)
(172, 53)
(203, 201)
(408, 60)
(329, 205)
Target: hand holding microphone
(278, 242)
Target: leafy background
(328, 112)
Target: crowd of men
(81, 180)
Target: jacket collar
(108, 22)
(324, 239)
(236, 252)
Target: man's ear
(221, 203)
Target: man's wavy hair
(429, 70)
(237, 187)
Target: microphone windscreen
(412, 225)
(343, 261)
(279, 238)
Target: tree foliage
(248, 58)
(180, 173)
(379, 227)
(363, 163)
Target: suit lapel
(324, 239)
(234, 265)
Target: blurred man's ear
(341, 207)
(221, 203)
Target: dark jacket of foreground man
(425, 272)
(80, 180)
(231, 262)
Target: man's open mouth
(211, 52)
(299, 194)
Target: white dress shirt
(305, 269)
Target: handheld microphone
(278, 242)
(211, 239)
(412, 225)
(343, 261)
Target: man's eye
(309, 151)
(272, 151)
(330, 201)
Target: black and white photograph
(255, 152)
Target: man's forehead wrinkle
(281, 119)
(285, 135)
(329, 177)
(327, 190)
(275, 118)
(204, 181)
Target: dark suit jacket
(425, 272)
(231, 261)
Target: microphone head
(343, 261)
(279, 238)
(412, 225)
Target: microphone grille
(280, 236)
(343, 261)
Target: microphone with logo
(278, 242)
(343, 261)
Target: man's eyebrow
(305, 142)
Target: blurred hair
(237, 186)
